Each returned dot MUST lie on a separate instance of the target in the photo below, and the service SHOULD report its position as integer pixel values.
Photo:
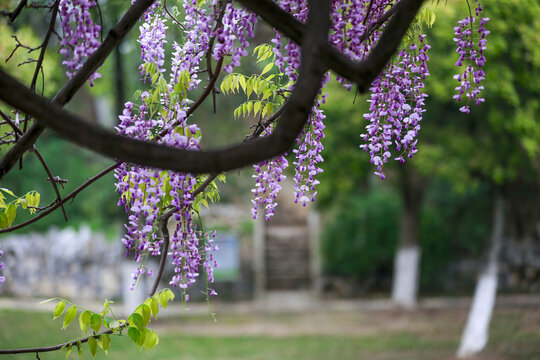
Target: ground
(325, 330)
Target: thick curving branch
(315, 58)
(362, 73)
(109, 144)
(116, 34)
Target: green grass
(515, 335)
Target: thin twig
(64, 200)
(44, 46)
(10, 123)
(53, 181)
(17, 11)
(172, 17)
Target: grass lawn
(380, 335)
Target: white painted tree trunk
(405, 283)
(476, 333)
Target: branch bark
(116, 34)
(295, 112)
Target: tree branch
(64, 200)
(53, 182)
(295, 113)
(116, 34)
(362, 73)
(54, 347)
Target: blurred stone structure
(62, 262)
(286, 249)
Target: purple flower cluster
(289, 61)
(80, 37)
(268, 175)
(152, 40)
(188, 56)
(146, 193)
(472, 55)
(2, 278)
(396, 106)
(350, 21)
(308, 157)
(238, 25)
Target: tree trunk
(407, 258)
(475, 335)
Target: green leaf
(104, 342)
(95, 322)
(79, 349)
(154, 306)
(151, 339)
(92, 345)
(137, 320)
(29, 199)
(46, 301)
(107, 320)
(146, 313)
(3, 220)
(59, 309)
(163, 299)
(84, 321)
(267, 68)
(11, 212)
(23, 203)
(142, 337)
(170, 294)
(267, 109)
(70, 315)
(68, 351)
(114, 325)
(249, 87)
(133, 334)
(8, 191)
(256, 108)
(242, 82)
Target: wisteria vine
(219, 32)
(471, 58)
(80, 34)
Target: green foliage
(267, 90)
(360, 237)
(500, 139)
(96, 207)
(361, 234)
(137, 323)
(8, 212)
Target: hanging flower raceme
(268, 175)
(148, 193)
(231, 38)
(152, 41)
(288, 61)
(188, 56)
(80, 34)
(471, 58)
(396, 107)
(354, 30)
(308, 157)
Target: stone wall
(66, 263)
